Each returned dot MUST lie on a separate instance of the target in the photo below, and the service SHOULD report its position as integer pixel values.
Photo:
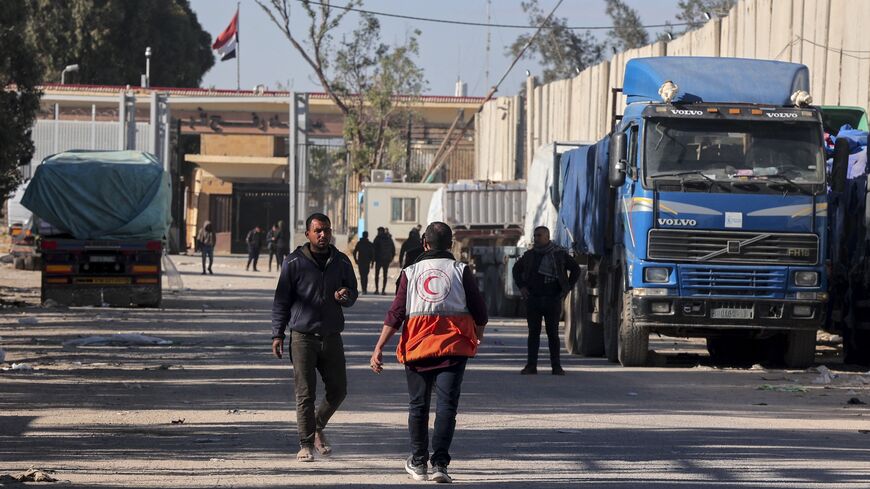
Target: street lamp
(68, 69)
(146, 80)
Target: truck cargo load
(102, 195)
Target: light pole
(146, 79)
(68, 69)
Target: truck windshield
(734, 151)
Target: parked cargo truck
(110, 211)
(703, 214)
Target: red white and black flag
(226, 44)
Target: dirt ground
(214, 409)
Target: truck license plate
(731, 313)
(103, 280)
(101, 259)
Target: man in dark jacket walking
(545, 275)
(411, 248)
(316, 281)
(385, 251)
(254, 240)
(364, 254)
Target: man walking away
(411, 248)
(206, 238)
(442, 315)
(545, 275)
(385, 251)
(314, 286)
(282, 244)
(364, 254)
(254, 240)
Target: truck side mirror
(840, 166)
(616, 174)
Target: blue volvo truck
(702, 214)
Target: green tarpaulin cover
(102, 194)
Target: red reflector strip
(58, 269)
(147, 280)
(154, 245)
(57, 280)
(49, 245)
(145, 269)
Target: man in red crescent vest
(442, 316)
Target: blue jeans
(207, 251)
(447, 383)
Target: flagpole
(238, 48)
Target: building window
(404, 209)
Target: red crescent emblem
(433, 285)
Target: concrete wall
(829, 36)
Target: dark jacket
(305, 296)
(364, 252)
(525, 273)
(410, 250)
(254, 239)
(385, 249)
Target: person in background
(545, 275)
(442, 316)
(385, 251)
(206, 239)
(271, 245)
(314, 287)
(411, 248)
(282, 244)
(254, 240)
(364, 254)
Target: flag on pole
(226, 44)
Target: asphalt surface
(102, 416)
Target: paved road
(102, 416)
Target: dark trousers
(272, 253)
(447, 383)
(253, 256)
(207, 252)
(381, 267)
(364, 276)
(280, 255)
(312, 354)
(549, 309)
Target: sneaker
(558, 371)
(439, 474)
(527, 370)
(305, 454)
(418, 472)
(321, 444)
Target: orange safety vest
(438, 323)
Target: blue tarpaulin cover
(583, 209)
(102, 194)
(725, 80)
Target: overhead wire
(472, 24)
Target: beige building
(229, 150)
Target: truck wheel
(611, 314)
(581, 336)
(633, 339)
(19, 262)
(29, 263)
(800, 349)
(856, 347)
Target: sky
(447, 52)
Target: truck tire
(856, 347)
(633, 339)
(611, 314)
(581, 336)
(800, 349)
(18, 262)
(29, 263)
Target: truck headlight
(806, 279)
(656, 275)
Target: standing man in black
(385, 251)
(254, 240)
(545, 275)
(364, 254)
(316, 282)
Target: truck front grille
(689, 245)
(738, 282)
